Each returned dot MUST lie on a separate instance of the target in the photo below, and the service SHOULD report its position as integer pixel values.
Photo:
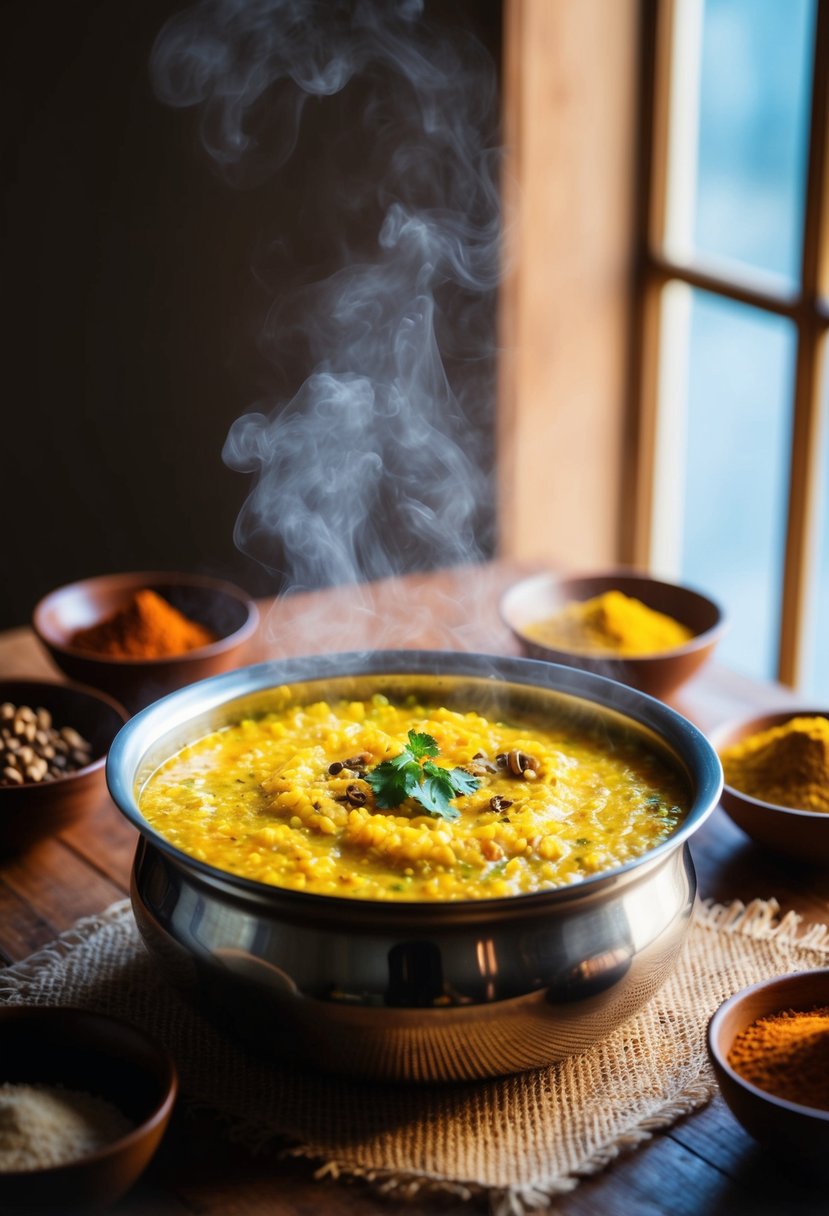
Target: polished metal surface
(415, 991)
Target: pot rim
(685, 741)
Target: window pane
(738, 434)
(816, 675)
(754, 66)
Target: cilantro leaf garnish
(463, 781)
(394, 783)
(421, 745)
(413, 774)
(436, 790)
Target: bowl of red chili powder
(769, 1045)
(139, 636)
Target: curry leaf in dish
(413, 775)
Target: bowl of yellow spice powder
(141, 635)
(625, 624)
(769, 1045)
(776, 768)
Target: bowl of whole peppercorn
(54, 739)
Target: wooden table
(705, 1165)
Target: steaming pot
(414, 991)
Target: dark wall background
(131, 310)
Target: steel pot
(415, 991)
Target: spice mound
(612, 623)
(43, 1126)
(787, 1054)
(33, 750)
(786, 765)
(146, 628)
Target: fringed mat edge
(759, 919)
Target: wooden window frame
(806, 308)
(570, 109)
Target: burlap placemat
(522, 1139)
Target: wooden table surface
(704, 1166)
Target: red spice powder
(147, 628)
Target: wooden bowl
(802, 835)
(786, 1127)
(33, 810)
(102, 1056)
(225, 609)
(658, 674)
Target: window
(732, 456)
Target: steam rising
(379, 462)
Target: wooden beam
(800, 566)
(570, 91)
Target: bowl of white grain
(84, 1102)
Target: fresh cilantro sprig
(413, 774)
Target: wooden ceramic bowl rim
(746, 727)
(138, 580)
(94, 694)
(614, 576)
(782, 982)
(169, 1089)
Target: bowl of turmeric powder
(769, 1046)
(139, 636)
(625, 624)
(776, 768)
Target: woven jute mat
(522, 1139)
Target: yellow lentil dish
(287, 799)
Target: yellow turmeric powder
(612, 623)
(786, 765)
(787, 1054)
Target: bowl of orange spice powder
(776, 770)
(139, 636)
(769, 1046)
